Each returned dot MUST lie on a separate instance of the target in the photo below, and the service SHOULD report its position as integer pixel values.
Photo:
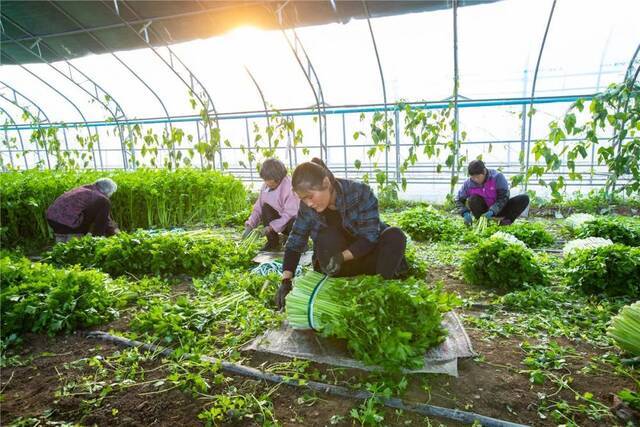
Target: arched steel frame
(384, 88)
(533, 93)
(168, 125)
(6, 136)
(192, 83)
(15, 99)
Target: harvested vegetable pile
(388, 323)
(502, 262)
(611, 269)
(625, 329)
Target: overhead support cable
(193, 84)
(384, 91)
(167, 124)
(533, 93)
(8, 141)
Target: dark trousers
(95, 219)
(512, 210)
(270, 214)
(386, 259)
(63, 229)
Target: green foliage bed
(37, 297)
(145, 199)
(424, 223)
(147, 253)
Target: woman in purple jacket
(486, 192)
(276, 207)
(83, 210)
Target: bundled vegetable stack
(625, 329)
(388, 323)
(481, 225)
(502, 262)
(599, 267)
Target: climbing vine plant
(609, 126)
(430, 133)
(280, 131)
(50, 150)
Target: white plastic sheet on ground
(289, 342)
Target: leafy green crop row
(145, 199)
(146, 253)
(36, 297)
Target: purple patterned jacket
(69, 209)
(494, 191)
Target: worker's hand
(265, 230)
(283, 291)
(468, 219)
(247, 231)
(334, 264)
(489, 214)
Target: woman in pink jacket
(276, 207)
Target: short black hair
(476, 167)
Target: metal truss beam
(120, 60)
(182, 71)
(22, 102)
(94, 90)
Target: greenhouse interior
(219, 213)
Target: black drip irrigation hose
(247, 371)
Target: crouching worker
(276, 207)
(83, 210)
(486, 192)
(343, 221)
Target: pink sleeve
(290, 204)
(254, 218)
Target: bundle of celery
(625, 328)
(388, 323)
(481, 225)
(252, 238)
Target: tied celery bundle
(625, 329)
(481, 225)
(250, 240)
(387, 323)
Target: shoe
(506, 221)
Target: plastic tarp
(306, 344)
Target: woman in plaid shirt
(342, 218)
